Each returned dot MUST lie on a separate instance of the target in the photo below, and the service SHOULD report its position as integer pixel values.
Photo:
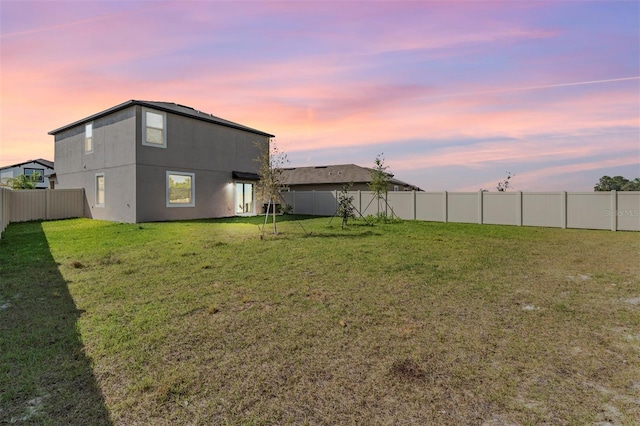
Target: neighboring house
(144, 161)
(43, 167)
(332, 178)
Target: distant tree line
(617, 183)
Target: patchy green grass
(204, 322)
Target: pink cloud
(407, 118)
(323, 84)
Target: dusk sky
(455, 94)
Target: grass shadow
(45, 376)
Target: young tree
(380, 179)
(24, 181)
(345, 204)
(505, 184)
(271, 162)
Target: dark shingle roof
(40, 161)
(167, 107)
(335, 174)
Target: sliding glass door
(244, 198)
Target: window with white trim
(181, 189)
(88, 138)
(100, 190)
(154, 128)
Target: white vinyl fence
(38, 204)
(616, 211)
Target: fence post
(293, 201)
(84, 206)
(360, 202)
(445, 208)
(480, 212)
(386, 203)
(4, 220)
(47, 203)
(519, 208)
(563, 210)
(313, 202)
(614, 210)
(415, 205)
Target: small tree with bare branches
(505, 184)
(345, 204)
(380, 179)
(271, 163)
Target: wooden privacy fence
(617, 211)
(37, 204)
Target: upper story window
(28, 172)
(154, 128)
(88, 138)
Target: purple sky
(455, 94)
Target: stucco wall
(212, 152)
(119, 184)
(113, 138)
(197, 145)
(213, 195)
(113, 154)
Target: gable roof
(166, 107)
(41, 161)
(334, 174)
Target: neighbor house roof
(335, 174)
(41, 161)
(166, 107)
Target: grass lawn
(204, 322)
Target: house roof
(41, 161)
(166, 107)
(334, 174)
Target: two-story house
(144, 161)
(44, 169)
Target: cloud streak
(539, 87)
(60, 26)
